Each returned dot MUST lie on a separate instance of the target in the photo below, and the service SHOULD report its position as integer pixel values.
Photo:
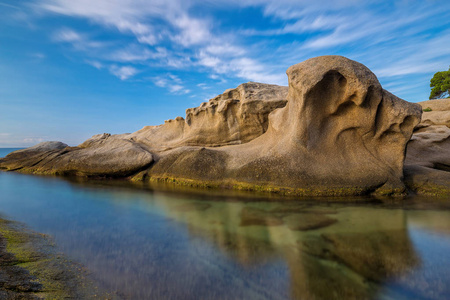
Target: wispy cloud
(172, 82)
(392, 36)
(123, 72)
(78, 40)
(134, 53)
(9, 5)
(96, 64)
(156, 25)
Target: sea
(142, 242)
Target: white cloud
(127, 16)
(172, 82)
(193, 31)
(79, 41)
(203, 86)
(67, 35)
(96, 64)
(33, 140)
(407, 60)
(174, 35)
(162, 21)
(175, 88)
(135, 53)
(242, 67)
(224, 49)
(124, 72)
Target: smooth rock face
(427, 163)
(237, 116)
(340, 133)
(102, 155)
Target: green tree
(440, 83)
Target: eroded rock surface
(237, 116)
(335, 132)
(340, 133)
(427, 164)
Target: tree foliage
(440, 83)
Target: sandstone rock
(427, 181)
(237, 116)
(340, 133)
(427, 163)
(99, 156)
(45, 146)
(436, 112)
(27, 158)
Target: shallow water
(144, 244)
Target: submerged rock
(335, 132)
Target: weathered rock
(427, 163)
(237, 116)
(45, 146)
(340, 133)
(27, 158)
(102, 155)
(436, 112)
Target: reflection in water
(147, 244)
(332, 252)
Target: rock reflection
(332, 252)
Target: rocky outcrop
(237, 116)
(427, 164)
(339, 133)
(102, 155)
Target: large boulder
(340, 133)
(102, 155)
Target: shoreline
(31, 268)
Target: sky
(71, 69)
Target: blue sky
(71, 69)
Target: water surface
(145, 244)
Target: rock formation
(237, 116)
(339, 133)
(427, 164)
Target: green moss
(427, 109)
(60, 278)
(243, 186)
(434, 191)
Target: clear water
(144, 244)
